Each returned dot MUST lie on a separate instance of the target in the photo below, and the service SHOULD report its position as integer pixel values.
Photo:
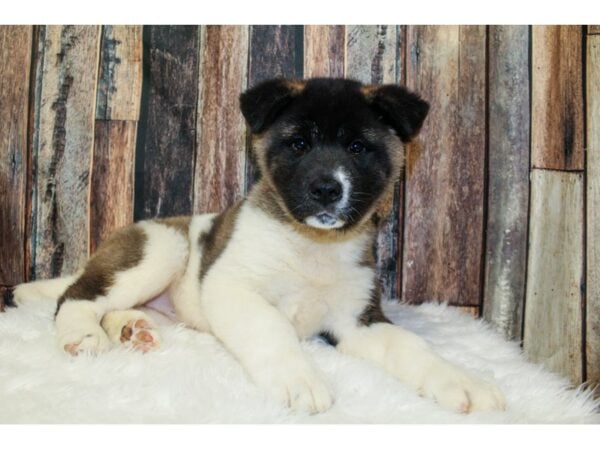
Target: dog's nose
(325, 190)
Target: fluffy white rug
(192, 379)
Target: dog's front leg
(266, 344)
(409, 358)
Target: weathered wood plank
(444, 188)
(275, 51)
(324, 50)
(63, 148)
(593, 211)
(371, 57)
(553, 305)
(166, 134)
(508, 178)
(112, 178)
(593, 29)
(15, 60)
(557, 98)
(220, 159)
(120, 80)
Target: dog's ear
(262, 104)
(398, 107)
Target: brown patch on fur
(296, 86)
(179, 223)
(372, 312)
(265, 198)
(123, 250)
(369, 90)
(214, 241)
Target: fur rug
(192, 379)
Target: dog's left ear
(398, 107)
(262, 104)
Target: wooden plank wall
(497, 211)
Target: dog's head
(331, 147)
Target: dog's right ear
(264, 102)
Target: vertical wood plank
(553, 305)
(508, 177)
(220, 160)
(15, 61)
(166, 134)
(112, 178)
(63, 148)
(371, 57)
(593, 29)
(117, 112)
(593, 211)
(275, 51)
(120, 80)
(324, 50)
(557, 98)
(444, 190)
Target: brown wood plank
(553, 306)
(324, 50)
(63, 148)
(112, 178)
(508, 178)
(166, 138)
(371, 57)
(275, 51)
(593, 29)
(444, 188)
(557, 98)
(593, 212)
(220, 159)
(15, 60)
(120, 80)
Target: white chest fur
(314, 284)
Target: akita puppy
(292, 260)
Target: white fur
(344, 179)
(191, 378)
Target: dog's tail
(41, 290)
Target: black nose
(325, 190)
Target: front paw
(299, 388)
(454, 389)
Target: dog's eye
(300, 145)
(356, 147)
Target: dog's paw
(301, 390)
(91, 341)
(456, 390)
(139, 335)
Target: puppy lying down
(292, 260)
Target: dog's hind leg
(42, 290)
(132, 328)
(134, 265)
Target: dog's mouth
(324, 221)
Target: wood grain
(120, 80)
(220, 160)
(508, 178)
(112, 178)
(63, 148)
(443, 235)
(557, 98)
(553, 305)
(15, 60)
(275, 51)
(324, 50)
(593, 211)
(593, 29)
(166, 138)
(371, 57)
